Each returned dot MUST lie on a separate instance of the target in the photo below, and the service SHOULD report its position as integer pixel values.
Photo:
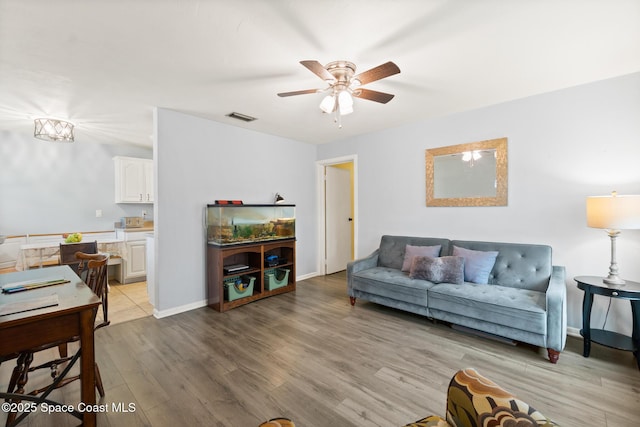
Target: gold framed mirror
(473, 174)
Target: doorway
(337, 193)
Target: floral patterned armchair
(475, 401)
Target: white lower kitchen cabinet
(134, 264)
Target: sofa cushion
(517, 308)
(447, 269)
(413, 251)
(518, 265)
(392, 248)
(392, 283)
(477, 264)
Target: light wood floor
(312, 357)
(128, 302)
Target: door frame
(320, 165)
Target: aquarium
(234, 224)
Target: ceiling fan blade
(316, 68)
(373, 95)
(380, 72)
(299, 92)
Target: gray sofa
(525, 299)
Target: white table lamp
(613, 213)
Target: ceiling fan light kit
(345, 102)
(328, 104)
(343, 85)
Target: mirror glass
(473, 174)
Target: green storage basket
(272, 281)
(238, 287)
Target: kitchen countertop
(147, 226)
(135, 230)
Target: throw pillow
(446, 269)
(477, 264)
(413, 251)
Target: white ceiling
(105, 64)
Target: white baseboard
(159, 314)
(573, 332)
(306, 276)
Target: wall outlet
(98, 213)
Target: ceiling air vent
(240, 116)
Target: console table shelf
(611, 339)
(252, 255)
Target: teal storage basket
(238, 287)
(276, 278)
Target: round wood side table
(594, 285)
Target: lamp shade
(614, 212)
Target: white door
(338, 219)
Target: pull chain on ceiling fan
(343, 85)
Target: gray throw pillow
(413, 251)
(446, 269)
(477, 264)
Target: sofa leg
(554, 355)
(352, 300)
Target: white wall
(563, 146)
(48, 187)
(198, 161)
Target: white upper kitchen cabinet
(134, 180)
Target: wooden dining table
(45, 315)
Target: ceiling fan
(343, 85)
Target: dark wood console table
(593, 285)
(253, 256)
